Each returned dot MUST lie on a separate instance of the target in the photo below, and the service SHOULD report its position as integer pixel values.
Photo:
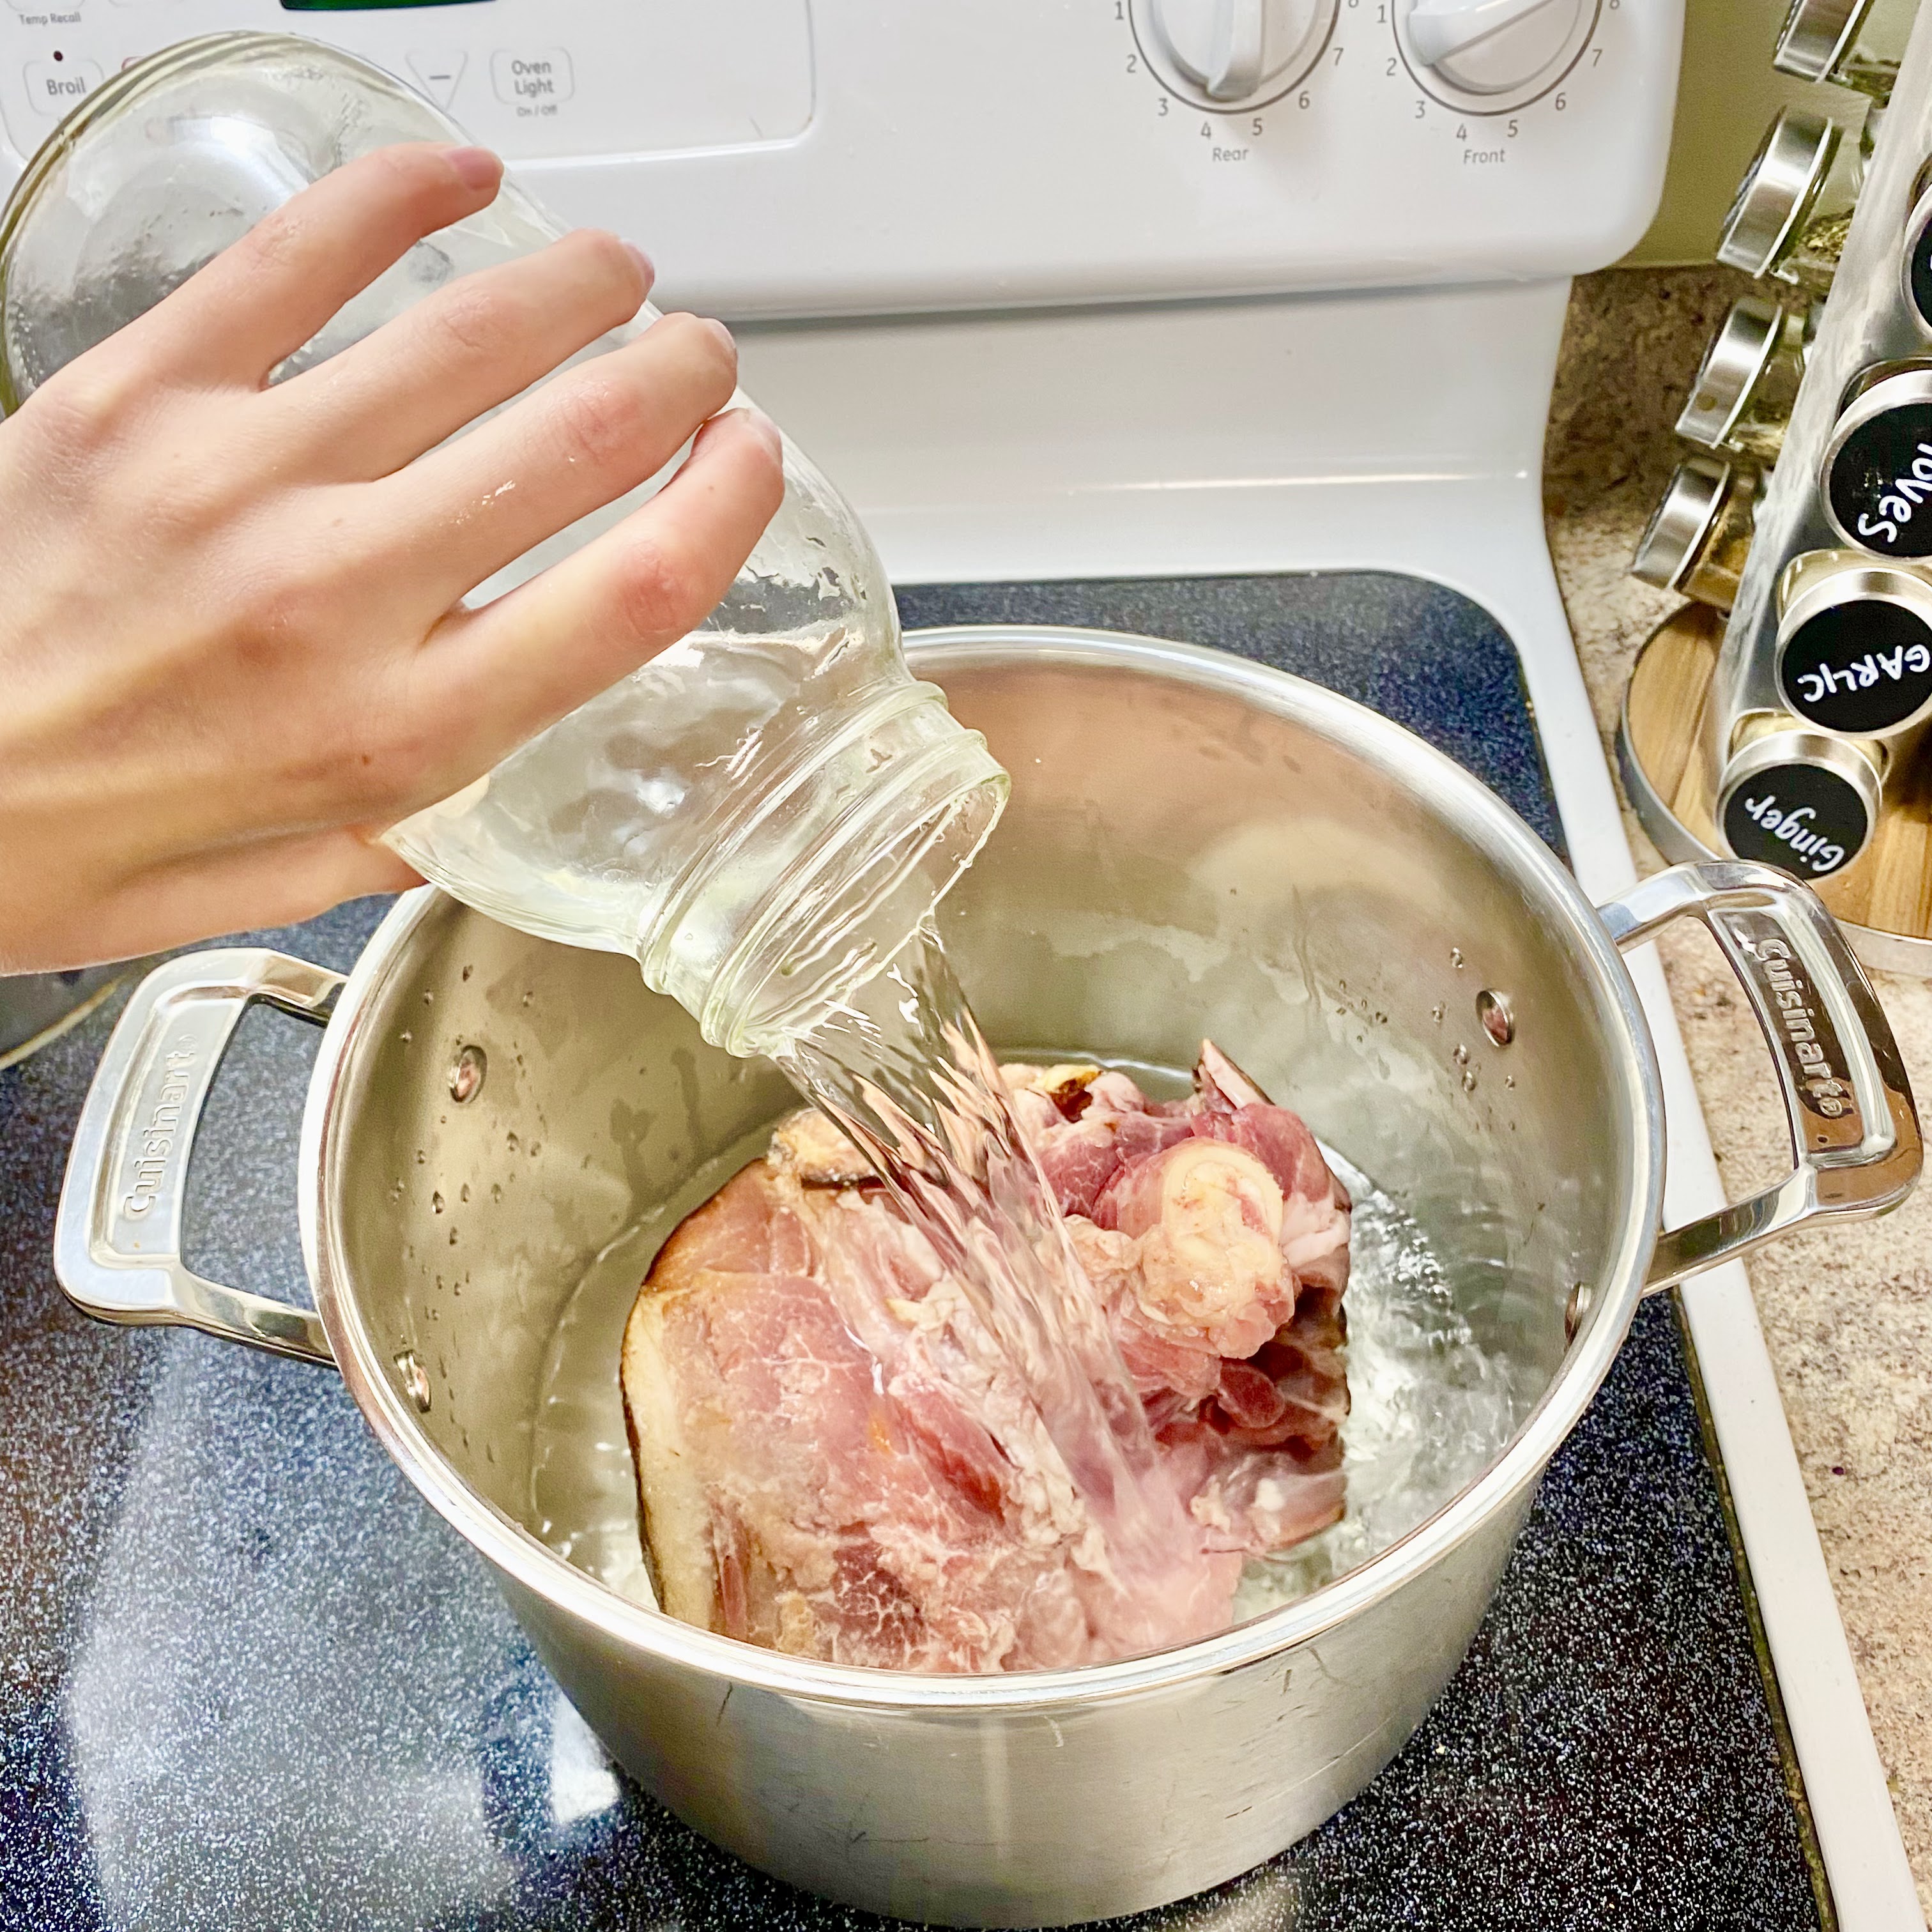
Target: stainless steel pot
(1194, 845)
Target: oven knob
(1232, 53)
(1477, 51)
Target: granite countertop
(1848, 1314)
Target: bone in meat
(835, 1459)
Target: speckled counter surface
(1848, 1315)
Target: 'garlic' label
(1861, 667)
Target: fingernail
(646, 267)
(753, 418)
(767, 429)
(718, 329)
(475, 167)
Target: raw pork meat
(835, 1459)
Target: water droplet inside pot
(435, 1201)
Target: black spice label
(1918, 272)
(1860, 667)
(1880, 482)
(1802, 817)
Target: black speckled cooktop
(247, 1679)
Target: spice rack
(1782, 714)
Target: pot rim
(532, 1566)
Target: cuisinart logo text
(1792, 998)
(1794, 828)
(155, 1143)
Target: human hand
(233, 649)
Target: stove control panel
(822, 157)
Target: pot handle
(117, 1238)
(1854, 1129)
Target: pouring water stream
(905, 1072)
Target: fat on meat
(836, 1459)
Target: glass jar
(1854, 43)
(1802, 800)
(1855, 644)
(1743, 395)
(1875, 479)
(1700, 533)
(1915, 254)
(1793, 208)
(763, 813)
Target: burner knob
(1232, 53)
(1484, 48)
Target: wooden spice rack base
(1883, 898)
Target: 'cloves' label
(1879, 483)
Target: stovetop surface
(248, 1679)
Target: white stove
(1068, 289)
